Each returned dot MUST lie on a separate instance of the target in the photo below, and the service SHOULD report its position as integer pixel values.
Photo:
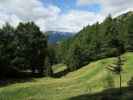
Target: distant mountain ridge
(55, 37)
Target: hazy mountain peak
(54, 36)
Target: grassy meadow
(87, 82)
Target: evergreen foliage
(25, 48)
(110, 38)
(22, 49)
(117, 68)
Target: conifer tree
(117, 68)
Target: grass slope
(91, 79)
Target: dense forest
(101, 40)
(26, 48)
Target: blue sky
(61, 15)
(67, 5)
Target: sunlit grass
(89, 79)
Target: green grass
(58, 68)
(90, 79)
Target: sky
(61, 15)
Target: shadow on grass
(109, 94)
(19, 77)
(61, 73)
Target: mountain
(55, 37)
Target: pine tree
(32, 42)
(73, 60)
(117, 68)
(7, 49)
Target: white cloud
(72, 21)
(114, 7)
(12, 18)
(50, 18)
(28, 9)
(14, 11)
(76, 20)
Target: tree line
(24, 48)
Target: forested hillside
(98, 41)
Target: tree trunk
(120, 85)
